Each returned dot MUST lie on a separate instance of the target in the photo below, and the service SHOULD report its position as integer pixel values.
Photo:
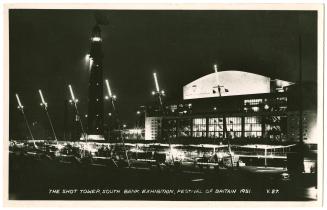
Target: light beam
(42, 98)
(72, 93)
(91, 63)
(156, 81)
(108, 88)
(215, 66)
(18, 101)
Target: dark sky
(47, 50)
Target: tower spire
(95, 106)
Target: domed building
(234, 105)
(232, 83)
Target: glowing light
(86, 115)
(135, 131)
(87, 56)
(72, 93)
(156, 81)
(124, 126)
(114, 97)
(108, 88)
(18, 101)
(96, 39)
(91, 63)
(42, 98)
(106, 97)
(163, 92)
(176, 154)
(138, 112)
(109, 114)
(215, 68)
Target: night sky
(48, 48)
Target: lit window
(96, 39)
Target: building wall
(309, 122)
(153, 128)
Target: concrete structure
(240, 106)
(152, 128)
(95, 107)
(231, 83)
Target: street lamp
(74, 101)
(158, 92)
(21, 108)
(45, 105)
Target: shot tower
(95, 103)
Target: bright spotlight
(156, 81)
(106, 97)
(18, 101)
(215, 66)
(108, 88)
(91, 63)
(96, 39)
(72, 93)
(42, 98)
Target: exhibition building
(237, 105)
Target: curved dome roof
(227, 83)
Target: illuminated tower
(95, 106)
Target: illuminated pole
(160, 94)
(111, 96)
(74, 101)
(21, 108)
(113, 99)
(45, 105)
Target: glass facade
(215, 127)
(252, 127)
(254, 118)
(184, 127)
(234, 127)
(199, 127)
(275, 127)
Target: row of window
(253, 127)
